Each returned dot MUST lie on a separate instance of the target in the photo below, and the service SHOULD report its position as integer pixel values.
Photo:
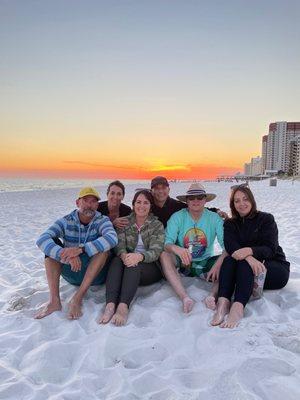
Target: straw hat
(196, 189)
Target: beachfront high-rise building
(253, 168)
(295, 156)
(256, 166)
(264, 152)
(276, 146)
(247, 169)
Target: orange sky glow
(178, 172)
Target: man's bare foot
(235, 315)
(108, 313)
(223, 307)
(74, 309)
(121, 315)
(210, 302)
(188, 304)
(48, 309)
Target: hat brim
(209, 197)
(90, 194)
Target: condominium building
(276, 146)
(295, 156)
(247, 169)
(264, 152)
(254, 168)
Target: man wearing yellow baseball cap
(81, 258)
(88, 191)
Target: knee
(164, 256)
(51, 262)
(100, 257)
(116, 262)
(228, 261)
(166, 260)
(242, 263)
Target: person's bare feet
(75, 306)
(108, 313)
(223, 307)
(121, 315)
(187, 304)
(235, 315)
(210, 302)
(48, 309)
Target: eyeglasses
(196, 197)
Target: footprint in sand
(143, 355)
(17, 304)
(291, 344)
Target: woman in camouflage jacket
(140, 244)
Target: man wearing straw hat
(189, 243)
(81, 259)
(165, 206)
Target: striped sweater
(98, 236)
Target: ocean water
(28, 184)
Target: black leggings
(237, 277)
(122, 282)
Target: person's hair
(246, 190)
(116, 183)
(145, 193)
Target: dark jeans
(122, 282)
(236, 277)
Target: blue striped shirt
(98, 236)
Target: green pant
(76, 278)
(198, 268)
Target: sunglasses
(196, 197)
(241, 185)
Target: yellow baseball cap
(88, 191)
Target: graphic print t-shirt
(195, 240)
(198, 236)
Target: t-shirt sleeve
(172, 229)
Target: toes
(188, 305)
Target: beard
(88, 212)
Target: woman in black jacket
(251, 240)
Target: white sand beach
(161, 354)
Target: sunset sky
(133, 89)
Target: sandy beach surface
(161, 354)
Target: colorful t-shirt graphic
(198, 236)
(195, 240)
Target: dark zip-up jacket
(258, 232)
(124, 210)
(170, 207)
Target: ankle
(123, 306)
(54, 300)
(184, 296)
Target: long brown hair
(249, 194)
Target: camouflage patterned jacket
(153, 236)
